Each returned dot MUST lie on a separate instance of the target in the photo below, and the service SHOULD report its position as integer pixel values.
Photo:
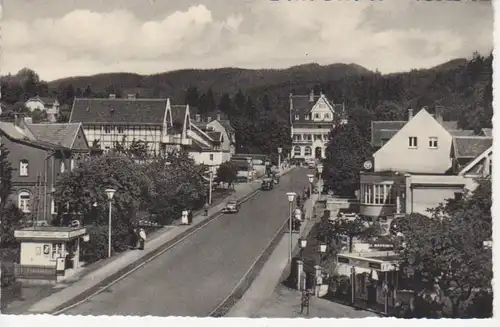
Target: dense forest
(256, 101)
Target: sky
(62, 38)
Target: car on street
(232, 206)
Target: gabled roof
(474, 162)
(470, 146)
(198, 146)
(44, 100)
(302, 105)
(60, 134)
(121, 111)
(17, 134)
(487, 131)
(387, 129)
(178, 114)
(463, 132)
(227, 125)
(216, 136)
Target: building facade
(39, 153)
(311, 119)
(424, 163)
(48, 105)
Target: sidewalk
(118, 265)
(265, 283)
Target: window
(211, 157)
(296, 117)
(308, 151)
(297, 137)
(62, 167)
(325, 137)
(120, 129)
(107, 129)
(317, 116)
(56, 251)
(381, 194)
(326, 116)
(317, 137)
(412, 142)
(433, 142)
(306, 117)
(297, 151)
(23, 167)
(307, 137)
(24, 201)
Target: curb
(109, 279)
(102, 284)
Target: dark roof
(214, 135)
(227, 125)
(487, 131)
(198, 146)
(178, 114)
(387, 129)
(44, 100)
(59, 134)
(132, 111)
(301, 105)
(462, 132)
(17, 134)
(471, 146)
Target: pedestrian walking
(206, 209)
(142, 238)
(190, 217)
(134, 238)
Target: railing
(35, 272)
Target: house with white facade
(311, 119)
(421, 165)
(219, 136)
(48, 105)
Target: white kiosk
(48, 251)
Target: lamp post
(280, 149)
(291, 199)
(311, 180)
(249, 162)
(321, 251)
(303, 244)
(211, 176)
(268, 167)
(110, 192)
(320, 182)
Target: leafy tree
(5, 175)
(445, 253)
(138, 149)
(226, 173)
(88, 92)
(38, 116)
(345, 154)
(192, 97)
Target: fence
(11, 271)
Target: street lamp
(311, 180)
(322, 250)
(320, 182)
(249, 162)
(291, 199)
(280, 149)
(303, 244)
(110, 192)
(211, 176)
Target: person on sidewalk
(142, 238)
(190, 217)
(304, 301)
(205, 207)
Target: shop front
(375, 276)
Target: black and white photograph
(246, 159)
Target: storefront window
(377, 194)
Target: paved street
(195, 276)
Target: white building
(49, 105)
(311, 119)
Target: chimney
(410, 114)
(198, 118)
(439, 113)
(130, 96)
(112, 96)
(218, 116)
(311, 96)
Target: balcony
(302, 142)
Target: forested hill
(257, 100)
(224, 80)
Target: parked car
(232, 206)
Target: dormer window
(296, 117)
(306, 117)
(23, 167)
(327, 116)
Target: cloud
(389, 36)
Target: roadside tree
(226, 173)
